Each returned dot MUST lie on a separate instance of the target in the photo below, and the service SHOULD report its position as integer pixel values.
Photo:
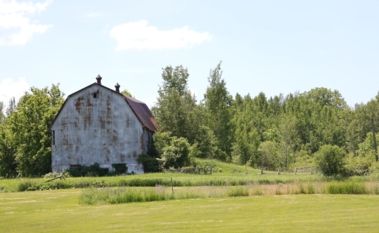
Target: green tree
(30, 127)
(7, 152)
(218, 102)
(2, 116)
(330, 160)
(288, 138)
(126, 93)
(11, 106)
(176, 108)
(206, 144)
(373, 122)
(269, 155)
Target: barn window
(53, 137)
(94, 95)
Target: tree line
(279, 132)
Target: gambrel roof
(139, 108)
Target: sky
(275, 47)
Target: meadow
(232, 199)
(60, 211)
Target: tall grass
(152, 180)
(161, 193)
(126, 195)
(347, 188)
(238, 192)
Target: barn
(100, 125)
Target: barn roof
(142, 112)
(139, 108)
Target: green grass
(226, 175)
(347, 188)
(60, 211)
(148, 194)
(160, 193)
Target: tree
(218, 102)
(176, 108)
(269, 155)
(11, 106)
(330, 159)
(7, 153)
(30, 124)
(126, 93)
(373, 122)
(206, 144)
(288, 137)
(2, 116)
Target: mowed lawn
(60, 211)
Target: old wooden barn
(100, 125)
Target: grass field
(199, 203)
(226, 175)
(60, 211)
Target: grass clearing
(60, 211)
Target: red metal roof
(143, 113)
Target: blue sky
(265, 46)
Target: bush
(93, 170)
(149, 163)
(358, 165)
(176, 154)
(330, 160)
(120, 168)
(27, 186)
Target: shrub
(27, 186)
(149, 163)
(176, 154)
(330, 160)
(120, 168)
(358, 165)
(93, 170)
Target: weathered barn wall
(96, 125)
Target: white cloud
(140, 35)
(12, 88)
(16, 24)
